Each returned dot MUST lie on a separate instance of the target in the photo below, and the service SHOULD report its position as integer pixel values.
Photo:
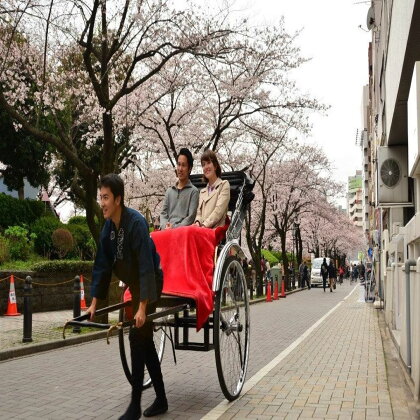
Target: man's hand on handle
(92, 309)
(140, 316)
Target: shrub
(69, 266)
(63, 242)
(77, 220)
(20, 242)
(44, 228)
(14, 212)
(85, 245)
(4, 250)
(91, 248)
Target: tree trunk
(108, 150)
(21, 193)
(284, 258)
(93, 209)
(299, 248)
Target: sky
(336, 73)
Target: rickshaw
(175, 315)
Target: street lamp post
(293, 254)
(297, 235)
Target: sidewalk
(336, 371)
(47, 327)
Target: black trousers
(143, 353)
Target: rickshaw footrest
(194, 346)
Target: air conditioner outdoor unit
(392, 177)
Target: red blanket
(187, 259)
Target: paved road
(87, 381)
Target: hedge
(15, 212)
(75, 266)
(77, 220)
(43, 229)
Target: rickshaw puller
(126, 249)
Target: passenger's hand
(140, 316)
(197, 223)
(168, 226)
(92, 309)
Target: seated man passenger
(181, 200)
(214, 198)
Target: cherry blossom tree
(86, 65)
(329, 232)
(302, 180)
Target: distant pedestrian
(267, 270)
(341, 274)
(305, 276)
(354, 273)
(301, 280)
(324, 273)
(362, 271)
(292, 275)
(332, 275)
(253, 273)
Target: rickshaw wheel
(231, 331)
(159, 337)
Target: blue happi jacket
(131, 254)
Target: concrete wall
(396, 317)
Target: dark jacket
(131, 254)
(332, 272)
(324, 270)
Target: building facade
(391, 170)
(355, 199)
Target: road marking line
(221, 408)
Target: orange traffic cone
(83, 306)
(276, 291)
(11, 304)
(283, 294)
(268, 299)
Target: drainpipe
(408, 264)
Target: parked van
(316, 278)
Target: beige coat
(213, 207)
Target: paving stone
(337, 372)
(351, 338)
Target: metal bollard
(76, 301)
(27, 311)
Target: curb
(72, 341)
(290, 292)
(49, 345)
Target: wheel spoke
(233, 334)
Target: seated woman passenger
(214, 198)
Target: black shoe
(159, 406)
(331, 290)
(324, 289)
(133, 412)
